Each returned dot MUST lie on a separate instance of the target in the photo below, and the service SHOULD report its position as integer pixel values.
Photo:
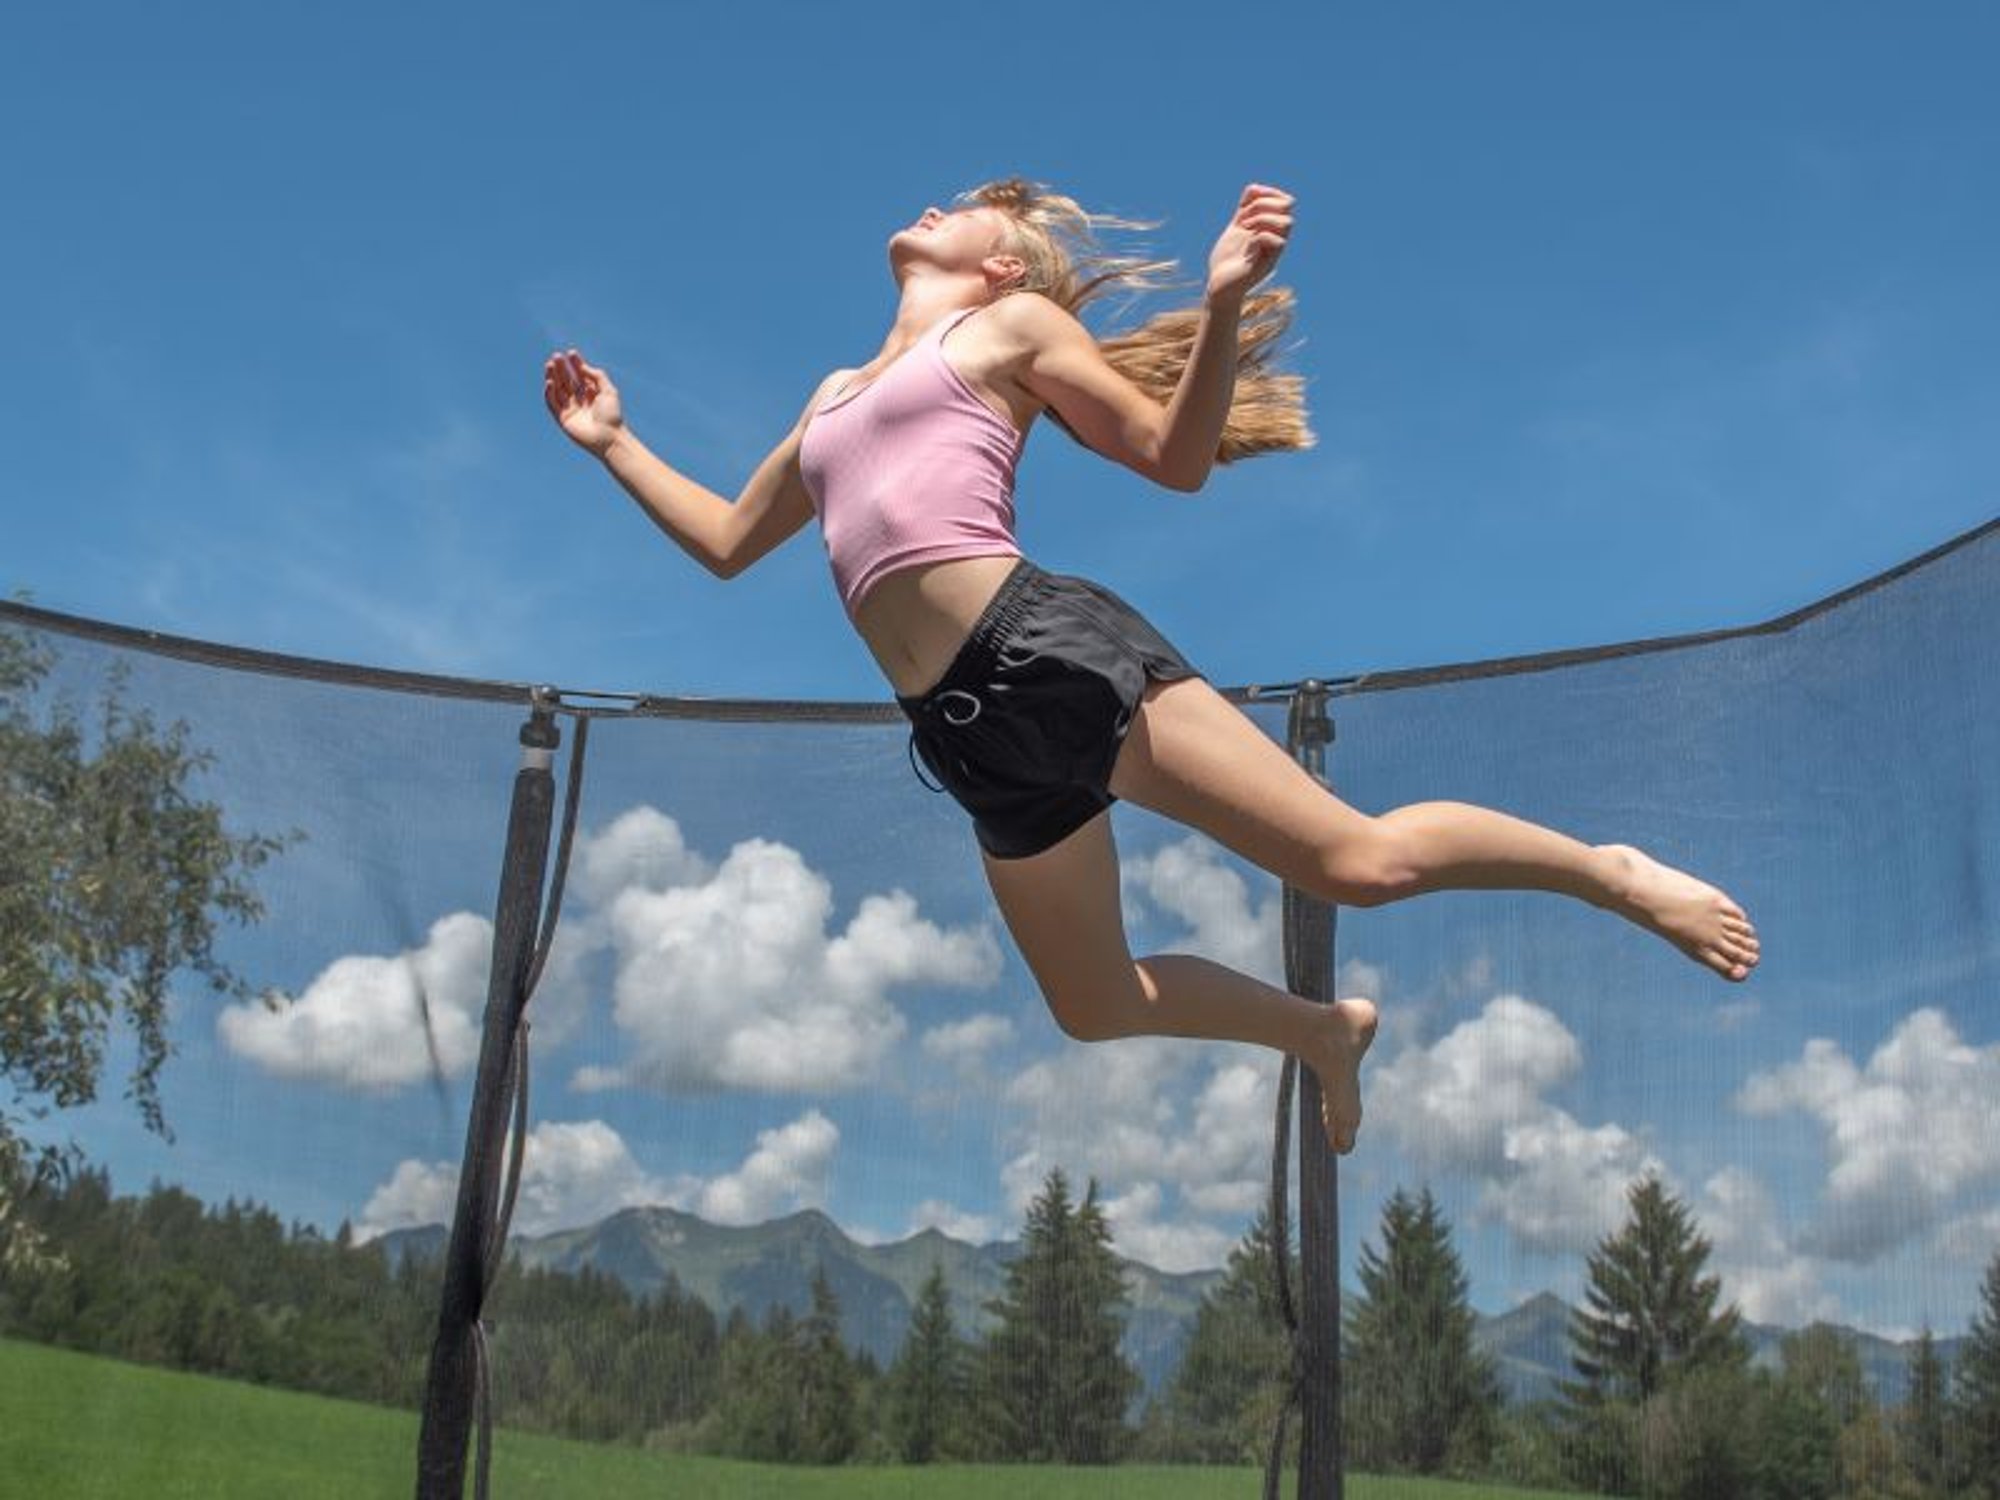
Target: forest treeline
(1664, 1400)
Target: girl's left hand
(1250, 246)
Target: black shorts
(1027, 721)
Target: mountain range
(759, 1267)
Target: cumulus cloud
(1473, 1103)
(734, 981)
(722, 976)
(788, 1171)
(965, 1044)
(1907, 1135)
(946, 1218)
(1171, 1132)
(1973, 1238)
(572, 1174)
(361, 1021)
(641, 848)
(577, 1173)
(1189, 881)
(1170, 1242)
(1760, 1271)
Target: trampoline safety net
(789, 1183)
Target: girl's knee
(1088, 1009)
(1371, 866)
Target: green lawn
(73, 1427)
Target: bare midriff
(915, 619)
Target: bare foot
(1694, 916)
(1342, 1041)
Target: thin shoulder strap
(957, 318)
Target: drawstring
(919, 770)
(949, 705)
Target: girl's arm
(723, 537)
(1174, 445)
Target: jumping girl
(1038, 700)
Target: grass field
(73, 1427)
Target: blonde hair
(1067, 263)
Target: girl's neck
(926, 301)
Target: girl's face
(960, 240)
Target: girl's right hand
(583, 401)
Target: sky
(1616, 323)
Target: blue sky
(1617, 323)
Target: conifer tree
(1822, 1361)
(1225, 1394)
(1418, 1392)
(828, 1430)
(1651, 1314)
(1053, 1383)
(1977, 1393)
(927, 1384)
(1923, 1427)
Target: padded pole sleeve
(449, 1388)
(1309, 936)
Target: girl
(1038, 700)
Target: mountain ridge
(761, 1266)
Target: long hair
(1067, 263)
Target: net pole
(454, 1365)
(1309, 938)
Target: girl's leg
(1063, 909)
(1196, 758)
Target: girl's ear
(1004, 270)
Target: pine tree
(1652, 1314)
(1821, 1360)
(1922, 1434)
(828, 1430)
(1418, 1391)
(1225, 1394)
(1053, 1384)
(1977, 1403)
(927, 1384)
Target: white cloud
(1175, 1243)
(416, 1194)
(572, 1174)
(725, 977)
(1907, 1135)
(361, 1021)
(1760, 1271)
(788, 1171)
(1189, 881)
(965, 1044)
(1972, 1238)
(1148, 1117)
(575, 1174)
(946, 1218)
(733, 981)
(1366, 980)
(1474, 1104)
(642, 848)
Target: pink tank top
(912, 468)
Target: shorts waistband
(1004, 611)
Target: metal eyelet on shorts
(943, 702)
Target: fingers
(568, 381)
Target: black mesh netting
(815, 1192)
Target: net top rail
(582, 702)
